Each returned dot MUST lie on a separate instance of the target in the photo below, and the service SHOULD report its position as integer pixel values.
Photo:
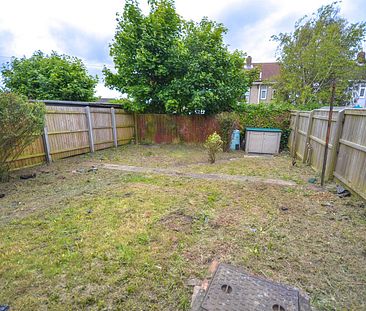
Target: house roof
(269, 70)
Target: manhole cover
(231, 289)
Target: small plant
(20, 124)
(213, 145)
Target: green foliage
(20, 124)
(213, 145)
(228, 121)
(53, 77)
(321, 49)
(126, 104)
(168, 65)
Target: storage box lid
(260, 129)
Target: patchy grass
(73, 239)
(264, 166)
(194, 159)
(161, 156)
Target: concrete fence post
(90, 128)
(114, 128)
(46, 144)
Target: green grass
(159, 155)
(115, 241)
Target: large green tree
(322, 49)
(53, 77)
(165, 64)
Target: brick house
(263, 89)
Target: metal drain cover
(231, 289)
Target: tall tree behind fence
(162, 128)
(72, 130)
(347, 148)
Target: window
(362, 90)
(246, 96)
(263, 94)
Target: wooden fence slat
(294, 135)
(307, 137)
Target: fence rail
(76, 129)
(346, 159)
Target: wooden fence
(162, 128)
(73, 129)
(346, 159)
(77, 128)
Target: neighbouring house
(262, 90)
(358, 86)
(358, 94)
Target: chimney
(249, 63)
(361, 58)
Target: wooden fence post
(46, 144)
(114, 128)
(294, 136)
(307, 138)
(136, 128)
(90, 128)
(335, 144)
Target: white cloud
(105, 92)
(33, 24)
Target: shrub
(228, 121)
(213, 144)
(20, 124)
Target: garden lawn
(75, 238)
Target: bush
(20, 124)
(213, 144)
(228, 121)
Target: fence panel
(32, 155)
(347, 146)
(317, 137)
(351, 164)
(302, 133)
(68, 133)
(125, 124)
(159, 128)
(102, 127)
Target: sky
(84, 28)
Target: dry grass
(111, 241)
